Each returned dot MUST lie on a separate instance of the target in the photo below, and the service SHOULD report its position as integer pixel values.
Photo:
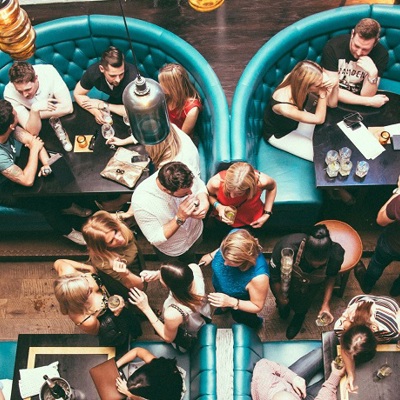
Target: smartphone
(140, 158)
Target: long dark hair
(160, 379)
(318, 244)
(179, 279)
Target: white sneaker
(76, 237)
(63, 138)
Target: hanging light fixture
(145, 105)
(17, 37)
(205, 5)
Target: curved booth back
(72, 44)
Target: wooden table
(384, 170)
(85, 167)
(76, 355)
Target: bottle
(55, 389)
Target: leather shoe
(77, 210)
(360, 274)
(295, 325)
(395, 289)
(284, 311)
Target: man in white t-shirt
(37, 92)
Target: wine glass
(127, 123)
(108, 132)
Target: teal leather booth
(199, 364)
(72, 44)
(7, 359)
(248, 350)
(298, 202)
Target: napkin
(364, 140)
(32, 378)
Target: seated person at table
(113, 251)
(37, 92)
(155, 379)
(358, 60)
(12, 139)
(111, 75)
(366, 321)
(316, 262)
(186, 303)
(183, 100)
(240, 278)
(272, 381)
(241, 186)
(84, 298)
(287, 125)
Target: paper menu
(393, 129)
(364, 140)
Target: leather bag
(184, 340)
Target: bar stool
(350, 240)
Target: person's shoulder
(379, 49)
(339, 39)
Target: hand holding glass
(108, 132)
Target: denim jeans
(307, 367)
(381, 258)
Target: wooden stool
(350, 240)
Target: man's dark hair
(368, 29)
(112, 57)
(175, 175)
(21, 72)
(7, 117)
(318, 244)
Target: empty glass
(384, 137)
(324, 319)
(344, 153)
(362, 169)
(108, 132)
(333, 169)
(383, 372)
(105, 110)
(331, 156)
(345, 167)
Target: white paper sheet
(364, 140)
(32, 379)
(393, 129)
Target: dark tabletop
(384, 170)
(85, 167)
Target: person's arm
(128, 278)
(137, 352)
(382, 218)
(65, 267)
(213, 187)
(258, 290)
(190, 120)
(207, 258)
(276, 289)
(350, 367)
(269, 185)
(329, 387)
(91, 105)
(172, 318)
(200, 211)
(120, 142)
(325, 308)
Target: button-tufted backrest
(72, 44)
(305, 39)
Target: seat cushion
(7, 359)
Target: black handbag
(184, 340)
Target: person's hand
(326, 310)
(398, 182)
(138, 298)
(206, 259)
(327, 82)
(122, 386)
(115, 141)
(221, 300)
(45, 170)
(201, 209)
(35, 144)
(149, 276)
(378, 100)
(336, 370)
(221, 213)
(45, 105)
(368, 65)
(187, 207)
(258, 223)
(299, 386)
(120, 267)
(118, 310)
(350, 385)
(89, 104)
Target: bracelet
(216, 204)
(152, 323)
(212, 258)
(322, 97)
(236, 306)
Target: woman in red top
(183, 100)
(241, 186)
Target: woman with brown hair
(240, 277)
(241, 186)
(366, 321)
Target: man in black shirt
(111, 76)
(316, 262)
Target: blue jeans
(381, 258)
(307, 367)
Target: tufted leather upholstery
(7, 359)
(298, 201)
(200, 364)
(248, 350)
(72, 44)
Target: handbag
(184, 339)
(122, 170)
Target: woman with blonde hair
(241, 186)
(240, 277)
(183, 100)
(186, 302)
(287, 125)
(113, 250)
(83, 297)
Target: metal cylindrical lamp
(17, 36)
(147, 111)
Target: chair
(350, 240)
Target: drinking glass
(287, 255)
(323, 320)
(344, 154)
(105, 110)
(345, 167)
(383, 372)
(108, 132)
(125, 118)
(331, 156)
(384, 137)
(362, 169)
(333, 169)
(230, 213)
(113, 302)
(82, 142)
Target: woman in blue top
(240, 277)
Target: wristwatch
(267, 212)
(372, 81)
(179, 221)
(396, 191)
